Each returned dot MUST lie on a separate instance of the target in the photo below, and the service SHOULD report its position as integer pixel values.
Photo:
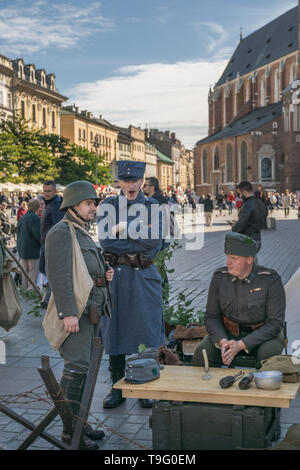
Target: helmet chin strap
(79, 216)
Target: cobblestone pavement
(127, 427)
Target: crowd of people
(117, 290)
(227, 202)
(13, 207)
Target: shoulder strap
(71, 225)
(74, 224)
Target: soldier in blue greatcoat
(130, 240)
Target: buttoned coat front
(137, 315)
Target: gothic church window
(292, 73)
(276, 86)
(216, 159)
(244, 161)
(229, 174)
(204, 167)
(263, 91)
(266, 168)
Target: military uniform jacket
(258, 298)
(137, 315)
(59, 267)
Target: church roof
(271, 42)
(248, 123)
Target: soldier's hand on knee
(71, 324)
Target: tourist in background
(22, 210)
(29, 242)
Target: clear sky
(141, 62)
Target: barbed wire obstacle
(54, 395)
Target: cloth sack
(10, 306)
(139, 371)
(190, 332)
(54, 327)
(285, 364)
(291, 440)
(168, 357)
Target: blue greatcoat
(137, 315)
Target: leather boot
(72, 386)
(116, 367)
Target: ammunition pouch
(135, 260)
(235, 328)
(231, 326)
(93, 314)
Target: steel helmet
(76, 192)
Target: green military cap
(239, 245)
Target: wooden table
(183, 383)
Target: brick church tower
(254, 129)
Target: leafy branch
(181, 312)
(33, 297)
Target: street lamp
(96, 146)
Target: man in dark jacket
(51, 215)
(252, 214)
(208, 210)
(151, 189)
(29, 242)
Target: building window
(1, 98)
(23, 109)
(79, 134)
(9, 101)
(44, 117)
(276, 86)
(224, 108)
(292, 73)
(216, 159)
(263, 91)
(286, 119)
(229, 174)
(247, 91)
(53, 119)
(91, 136)
(204, 167)
(244, 161)
(266, 168)
(33, 113)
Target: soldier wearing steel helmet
(79, 203)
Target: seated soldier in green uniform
(245, 308)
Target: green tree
(78, 163)
(23, 157)
(29, 155)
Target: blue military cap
(130, 170)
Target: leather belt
(100, 281)
(135, 260)
(235, 328)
